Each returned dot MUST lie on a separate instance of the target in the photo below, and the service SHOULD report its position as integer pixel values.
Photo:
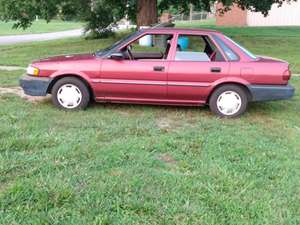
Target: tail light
(287, 74)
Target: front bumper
(35, 86)
(271, 92)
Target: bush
(102, 17)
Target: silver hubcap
(229, 103)
(69, 96)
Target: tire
(229, 101)
(70, 94)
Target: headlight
(33, 71)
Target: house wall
(234, 17)
(287, 15)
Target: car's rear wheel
(229, 101)
(70, 93)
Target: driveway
(14, 39)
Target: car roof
(179, 30)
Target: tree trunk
(146, 12)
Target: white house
(286, 15)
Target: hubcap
(69, 96)
(229, 103)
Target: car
(166, 66)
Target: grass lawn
(130, 164)
(10, 78)
(40, 26)
(125, 164)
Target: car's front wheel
(229, 101)
(70, 93)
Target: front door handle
(159, 68)
(215, 70)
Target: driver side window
(149, 47)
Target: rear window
(231, 55)
(247, 52)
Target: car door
(194, 68)
(143, 78)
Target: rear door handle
(159, 68)
(215, 70)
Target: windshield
(118, 43)
(247, 52)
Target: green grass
(130, 164)
(40, 26)
(125, 164)
(23, 54)
(10, 78)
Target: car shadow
(130, 106)
(254, 108)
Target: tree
(146, 12)
(99, 14)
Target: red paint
(181, 82)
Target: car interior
(197, 48)
(149, 47)
(157, 46)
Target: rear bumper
(271, 92)
(35, 86)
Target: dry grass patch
(19, 92)
(167, 158)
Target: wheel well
(70, 75)
(249, 95)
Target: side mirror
(117, 56)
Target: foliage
(100, 14)
(180, 6)
(25, 11)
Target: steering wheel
(130, 55)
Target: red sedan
(163, 66)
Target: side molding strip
(145, 82)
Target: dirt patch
(167, 158)
(19, 92)
(169, 124)
(124, 113)
(11, 68)
(164, 123)
(116, 173)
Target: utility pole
(191, 12)
(93, 5)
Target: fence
(195, 16)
